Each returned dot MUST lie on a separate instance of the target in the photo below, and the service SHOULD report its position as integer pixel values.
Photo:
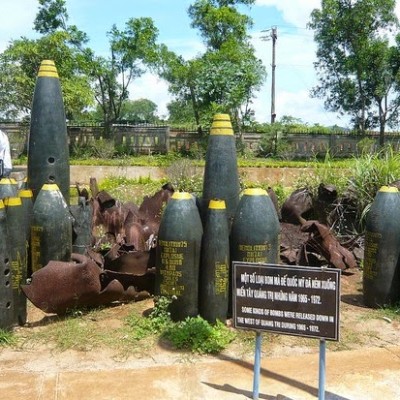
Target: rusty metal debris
(125, 271)
(313, 241)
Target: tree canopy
(357, 66)
(225, 77)
(222, 79)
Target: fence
(148, 139)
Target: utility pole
(273, 34)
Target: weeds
(194, 333)
(7, 338)
(197, 335)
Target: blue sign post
(291, 300)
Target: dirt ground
(361, 331)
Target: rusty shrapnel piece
(61, 286)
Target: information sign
(294, 300)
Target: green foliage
(193, 334)
(185, 177)
(222, 79)
(324, 172)
(366, 146)
(369, 173)
(142, 110)
(156, 323)
(7, 338)
(357, 67)
(128, 189)
(197, 335)
(98, 148)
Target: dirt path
(364, 364)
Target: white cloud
(16, 19)
(296, 12)
(149, 86)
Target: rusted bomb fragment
(322, 241)
(126, 222)
(60, 286)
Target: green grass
(7, 338)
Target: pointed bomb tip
(25, 193)
(50, 186)
(48, 69)
(8, 181)
(389, 189)
(221, 125)
(216, 204)
(181, 196)
(255, 192)
(12, 201)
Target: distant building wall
(147, 139)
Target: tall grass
(369, 173)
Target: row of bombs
(31, 234)
(195, 250)
(192, 263)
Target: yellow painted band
(12, 201)
(221, 132)
(1, 203)
(217, 205)
(219, 117)
(389, 189)
(255, 192)
(48, 69)
(25, 193)
(8, 181)
(221, 125)
(50, 186)
(181, 196)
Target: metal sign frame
(285, 299)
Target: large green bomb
(6, 291)
(381, 271)
(221, 177)
(51, 228)
(178, 255)
(214, 268)
(18, 255)
(48, 152)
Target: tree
(142, 110)
(130, 50)
(226, 76)
(357, 68)
(86, 79)
(22, 58)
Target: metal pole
(274, 36)
(322, 371)
(257, 363)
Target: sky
(295, 49)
